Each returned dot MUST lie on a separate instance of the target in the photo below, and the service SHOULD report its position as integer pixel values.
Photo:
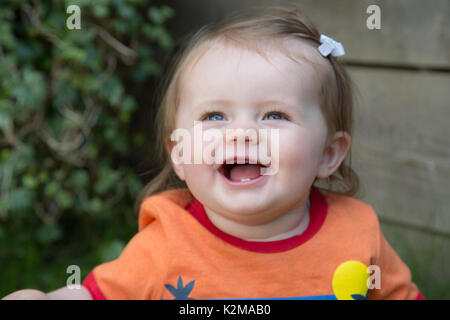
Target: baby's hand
(27, 294)
(64, 293)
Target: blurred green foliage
(67, 187)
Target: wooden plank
(426, 256)
(404, 113)
(404, 193)
(401, 145)
(412, 31)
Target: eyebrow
(214, 101)
(226, 102)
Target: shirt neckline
(318, 213)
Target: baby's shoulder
(353, 209)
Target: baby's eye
(275, 115)
(213, 116)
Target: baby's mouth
(241, 172)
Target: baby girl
(240, 227)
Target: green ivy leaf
(100, 11)
(159, 15)
(5, 154)
(64, 199)
(52, 189)
(79, 179)
(43, 177)
(95, 205)
(107, 181)
(7, 40)
(128, 104)
(19, 199)
(112, 90)
(127, 12)
(5, 122)
(31, 92)
(146, 68)
(29, 181)
(91, 151)
(72, 54)
(124, 116)
(158, 33)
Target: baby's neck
(276, 227)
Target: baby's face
(231, 88)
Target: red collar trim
(318, 213)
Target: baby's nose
(242, 132)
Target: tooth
(245, 179)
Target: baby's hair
(256, 30)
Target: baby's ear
(333, 154)
(175, 158)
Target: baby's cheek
(294, 149)
(196, 171)
(297, 167)
(298, 158)
(196, 178)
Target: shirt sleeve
(395, 277)
(91, 285)
(134, 275)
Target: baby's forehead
(288, 67)
(223, 53)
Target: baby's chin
(250, 211)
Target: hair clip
(329, 45)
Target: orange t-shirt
(179, 254)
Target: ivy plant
(67, 186)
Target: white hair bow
(329, 45)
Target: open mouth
(245, 172)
